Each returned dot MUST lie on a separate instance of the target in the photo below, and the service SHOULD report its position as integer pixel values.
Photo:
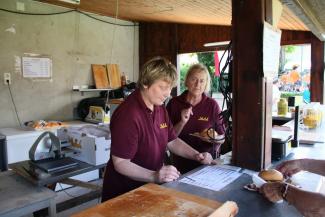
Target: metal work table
(253, 204)
(41, 178)
(19, 197)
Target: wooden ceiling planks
(290, 21)
(211, 12)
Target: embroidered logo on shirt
(163, 125)
(201, 118)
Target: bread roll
(204, 133)
(209, 133)
(271, 175)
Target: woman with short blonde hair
(155, 69)
(195, 112)
(199, 68)
(141, 132)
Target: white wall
(74, 42)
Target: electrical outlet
(6, 78)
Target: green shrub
(184, 69)
(207, 59)
(288, 94)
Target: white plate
(258, 181)
(218, 139)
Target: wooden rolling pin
(228, 209)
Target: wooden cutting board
(153, 200)
(114, 75)
(100, 76)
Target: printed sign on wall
(37, 67)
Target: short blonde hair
(158, 68)
(199, 68)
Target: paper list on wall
(35, 67)
(211, 177)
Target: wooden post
(317, 70)
(248, 83)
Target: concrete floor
(69, 193)
(74, 192)
(77, 209)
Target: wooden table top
(153, 200)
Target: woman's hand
(272, 191)
(185, 114)
(204, 158)
(288, 168)
(167, 174)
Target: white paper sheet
(212, 177)
(271, 50)
(308, 181)
(37, 67)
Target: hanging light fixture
(76, 2)
(215, 44)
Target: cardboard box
(88, 148)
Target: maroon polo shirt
(205, 115)
(138, 134)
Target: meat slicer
(46, 154)
(46, 146)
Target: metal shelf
(82, 91)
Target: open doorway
(210, 60)
(294, 71)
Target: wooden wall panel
(191, 38)
(290, 37)
(168, 40)
(157, 39)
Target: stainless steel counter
(19, 197)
